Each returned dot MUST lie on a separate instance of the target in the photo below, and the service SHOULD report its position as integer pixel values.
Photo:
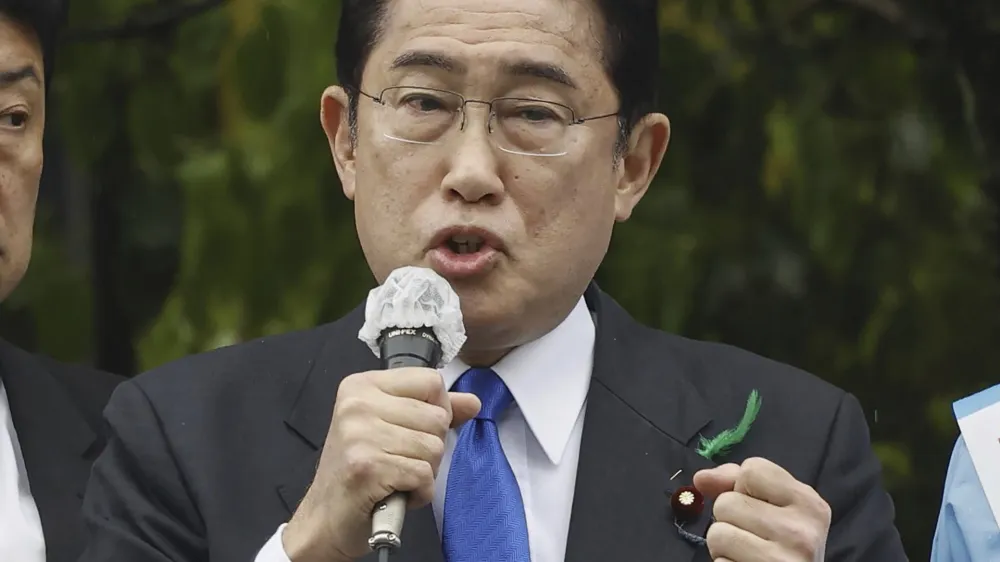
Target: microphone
(412, 320)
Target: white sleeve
(273, 550)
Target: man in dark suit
(496, 143)
(49, 413)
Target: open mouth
(465, 244)
(464, 252)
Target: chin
(479, 306)
(13, 267)
(492, 318)
(8, 282)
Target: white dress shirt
(540, 433)
(21, 536)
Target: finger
(752, 515)
(403, 442)
(413, 414)
(377, 474)
(366, 403)
(727, 541)
(765, 480)
(411, 476)
(464, 407)
(425, 385)
(714, 481)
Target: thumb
(464, 407)
(713, 482)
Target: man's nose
(473, 167)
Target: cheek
(390, 183)
(17, 205)
(390, 186)
(569, 202)
(19, 179)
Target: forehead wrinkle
(488, 34)
(437, 19)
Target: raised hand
(763, 514)
(387, 434)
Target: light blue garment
(966, 529)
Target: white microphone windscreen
(415, 297)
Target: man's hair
(630, 46)
(45, 18)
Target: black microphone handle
(400, 348)
(409, 347)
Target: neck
(482, 357)
(488, 355)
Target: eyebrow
(521, 68)
(543, 70)
(10, 77)
(423, 58)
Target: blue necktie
(483, 512)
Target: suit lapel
(58, 446)
(642, 416)
(309, 418)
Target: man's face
(540, 225)
(22, 120)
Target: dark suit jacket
(56, 410)
(210, 454)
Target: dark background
(829, 198)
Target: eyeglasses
(531, 127)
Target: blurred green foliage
(822, 203)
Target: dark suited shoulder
(725, 375)
(88, 388)
(236, 374)
(718, 378)
(199, 447)
(56, 410)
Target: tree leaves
(262, 64)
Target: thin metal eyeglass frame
(490, 115)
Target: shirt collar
(548, 378)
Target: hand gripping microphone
(412, 320)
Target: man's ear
(334, 117)
(646, 146)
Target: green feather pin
(721, 443)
